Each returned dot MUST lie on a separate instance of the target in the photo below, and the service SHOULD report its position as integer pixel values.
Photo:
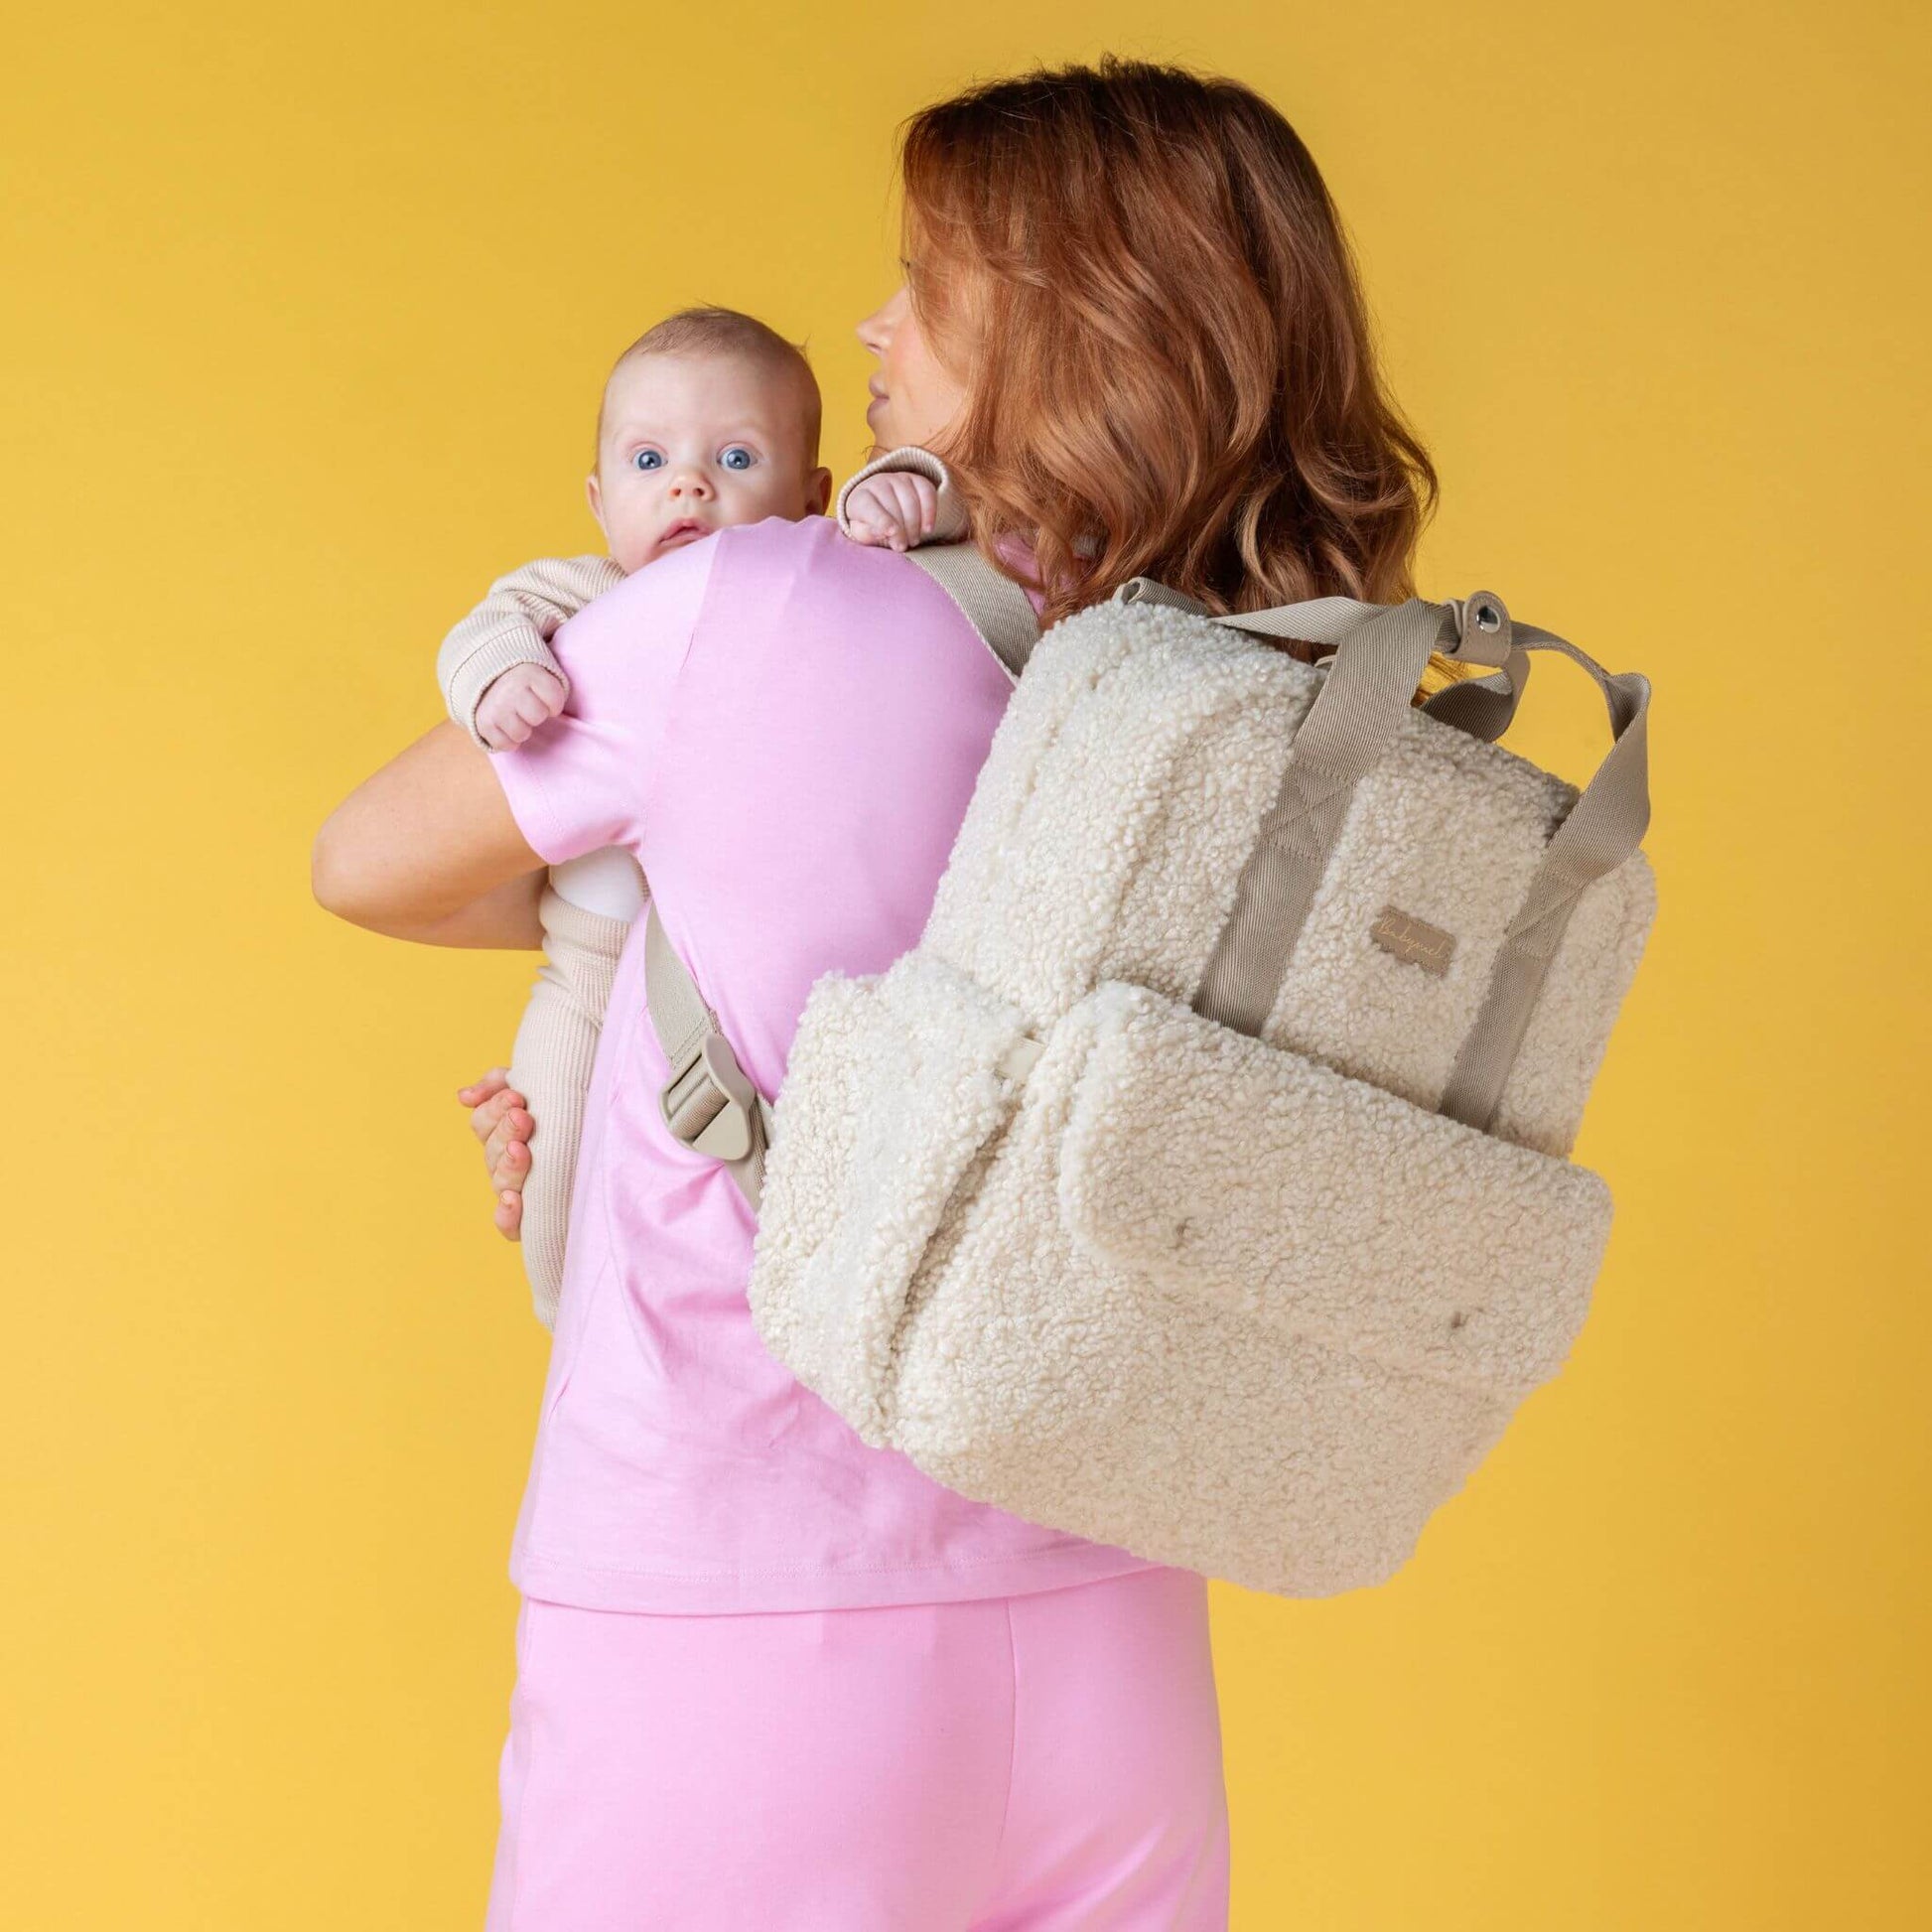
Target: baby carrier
(1198, 1183)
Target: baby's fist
(517, 703)
(895, 508)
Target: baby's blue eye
(648, 459)
(737, 457)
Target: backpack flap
(1319, 1206)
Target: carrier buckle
(708, 1102)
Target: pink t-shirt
(785, 728)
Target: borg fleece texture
(1247, 1305)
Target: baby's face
(693, 443)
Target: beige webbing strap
(1367, 687)
(1484, 707)
(1481, 706)
(995, 605)
(1601, 830)
(706, 1103)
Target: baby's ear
(818, 492)
(596, 498)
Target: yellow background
(305, 318)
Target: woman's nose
(872, 332)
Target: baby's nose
(689, 482)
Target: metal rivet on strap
(1482, 615)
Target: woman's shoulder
(776, 574)
(770, 568)
(781, 542)
(810, 560)
(659, 604)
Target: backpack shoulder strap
(995, 605)
(708, 1102)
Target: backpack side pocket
(894, 1084)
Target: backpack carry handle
(1484, 707)
(1380, 650)
(1614, 808)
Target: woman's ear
(818, 492)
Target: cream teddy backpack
(1198, 1183)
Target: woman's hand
(501, 1122)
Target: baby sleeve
(513, 625)
(550, 1066)
(581, 779)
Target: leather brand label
(1412, 939)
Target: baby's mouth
(685, 526)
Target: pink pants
(1029, 1764)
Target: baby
(711, 418)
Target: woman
(769, 1677)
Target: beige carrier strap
(995, 605)
(708, 1102)
(1368, 686)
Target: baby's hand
(517, 703)
(501, 1122)
(895, 508)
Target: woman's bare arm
(426, 849)
(504, 918)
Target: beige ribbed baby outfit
(556, 1039)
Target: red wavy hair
(1141, 280)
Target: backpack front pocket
(1320, 1205)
